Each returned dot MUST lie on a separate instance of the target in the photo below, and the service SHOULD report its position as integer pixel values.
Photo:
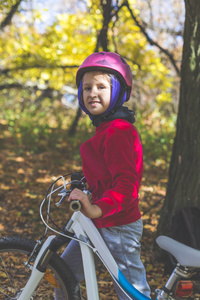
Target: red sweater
(112, 163)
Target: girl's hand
(90, 210)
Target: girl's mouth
(93, 102)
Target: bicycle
(34, 270)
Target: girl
(112, 162)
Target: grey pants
(124, 244)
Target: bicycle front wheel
(14, 275)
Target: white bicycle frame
(91, 242)
(85, 231)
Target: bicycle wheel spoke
(15, 273)
(14, 276)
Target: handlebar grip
(75, 205)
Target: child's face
(96, 92)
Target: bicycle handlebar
(76, 182)
(75, 205)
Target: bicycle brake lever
(64, 193)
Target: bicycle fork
(38, 270)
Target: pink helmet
(108, 62)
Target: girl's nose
(93, 92)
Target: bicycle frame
(82, 229)
(86, 232)
(92, 243)
(83, 225)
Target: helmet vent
(97, 53)
(123, 60)
(103, 62)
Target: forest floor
(24, 180)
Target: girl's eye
(87, 88)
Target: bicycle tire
(14, 252)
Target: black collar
(121, 113)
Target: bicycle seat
(185, 255)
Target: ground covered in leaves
(24, 179)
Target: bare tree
(184, 173)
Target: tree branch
(5, 71)
(11, 86)
(151, 41)
(9, 16)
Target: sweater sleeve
(123, 155)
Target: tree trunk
(184, 173)
(73, 127)
(102, 38)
